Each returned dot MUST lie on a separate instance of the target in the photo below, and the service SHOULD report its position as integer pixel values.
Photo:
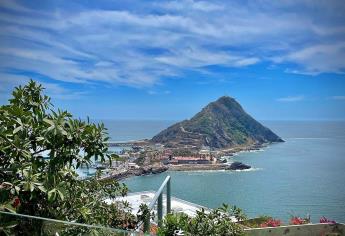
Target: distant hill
(221, 124)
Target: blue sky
(167, 59)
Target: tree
(40, 150)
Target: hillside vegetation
(221, 124)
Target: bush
(216, 222)
(174, 222)
(256, 222)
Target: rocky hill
(221, 124)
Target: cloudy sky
(132, 59)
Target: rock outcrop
(238, 166)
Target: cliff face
(221, 124)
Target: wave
(257, 150)
(196, 172)
(246, 151)
(191, 172)
(311, 138)
(248, 170)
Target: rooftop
(186, 158)
(177, 205)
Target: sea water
(304, 175)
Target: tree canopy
(40, 150)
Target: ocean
(304, 175)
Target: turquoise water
(304, 175)
(85, 172)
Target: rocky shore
(147, 170)
(238, 166)
(193, 167)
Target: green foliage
(256, 222)
(221, 124)
(141, 159)
(144, 215)
(216, 222)
(234, 211)
(144, 212)
(115, 157)
(40, 148)
(174, 222)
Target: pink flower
(325, 220)
(298, 221)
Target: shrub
(256, 222)
(174, 222)
(216, 222)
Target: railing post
(169, 196)
(160, 209)
(158, 198)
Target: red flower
(271, 223)
(16, 202)
(296, 221)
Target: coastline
(142, 171)
(149, 170)
(193, 167)
(156, 169)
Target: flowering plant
(16, 202)
(271, 223)
(325, 220)
(295, 220)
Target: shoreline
(193, 167)
(150, 170)
(153, 169)
(142, 171)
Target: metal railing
(305, 230)
(159, 199)
(14, 223)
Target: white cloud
(13, 6)
(154, 92)
(291, 98)
(185, 5)
(150, 92)
(318, 58)
(247, 61)
(197, 57)
(338, 97)
(9, 81)
(140, 47)
(54, 90)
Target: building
(188, 160)
(132, 166)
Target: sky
(165, 60)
